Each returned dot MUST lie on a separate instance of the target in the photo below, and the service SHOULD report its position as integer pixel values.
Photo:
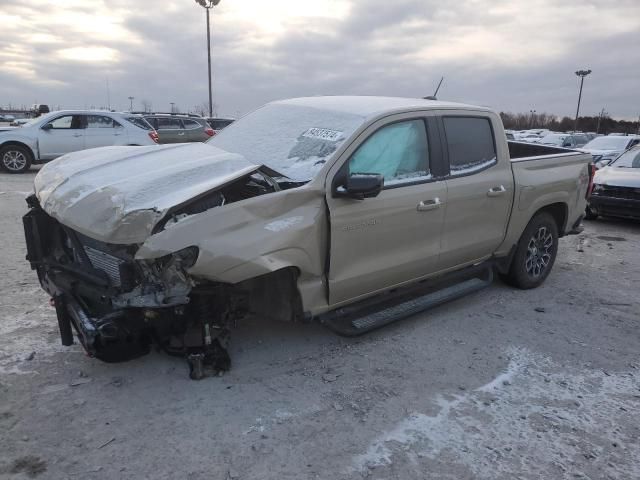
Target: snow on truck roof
(370, 106)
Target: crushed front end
(120, 306)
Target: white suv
(56, 133)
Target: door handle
(77, 135)
(181, 133)
(496, 191)
(427, 205)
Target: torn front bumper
(101, 292)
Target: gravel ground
(503, 384)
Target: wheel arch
(559, 211)
(18, 143)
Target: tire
(590, 214)
(535, 254)
(15, 158)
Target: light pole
(208, 5)
(581, 74)
(532, 112)
(172, 107)
(600, 118)
(131, 103)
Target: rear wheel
(535, 254)
(15, 158)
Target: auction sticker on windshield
(323, 134)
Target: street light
(208, 5)
(172, 107)
(532, 112)
(131, 103)
(581, 74)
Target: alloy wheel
(14, 160)
(539, 252)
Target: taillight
(209, 131)
(154, 136)
(592, 172)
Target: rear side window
(169, 123)
(101, 121)
(470, 143)
(399, 152)
(190, 124)
(139, 122)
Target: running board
(349, 323)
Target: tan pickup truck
(354, 211)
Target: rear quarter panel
(543, 181)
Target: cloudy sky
(514, 55)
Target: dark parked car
(616, 188)
(178, 128)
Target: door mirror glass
(363, 185)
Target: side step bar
(353, 321)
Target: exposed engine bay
(120, 306)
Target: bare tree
(202, 109)
(146, 105)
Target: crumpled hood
(118, 194)
(618, 177)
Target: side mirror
(362, 185)
(47, 126)
(602, 163)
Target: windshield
(629, 159)
(554, 139)
(608, 143)
(295, 141)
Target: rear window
(139, 122)
(470, 143)
(219, 124)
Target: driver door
(65, 135)
(382, 242)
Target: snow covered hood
(118, 194)
(618, 177)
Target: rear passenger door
(170, 130)
(194, 132)
(103, 131)
(479, 190)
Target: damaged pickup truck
(354, 211)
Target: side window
(399, 152)
(169, 124)
(190, 124)
(63, 123)
(470, 143)
(101, 121)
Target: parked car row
(49, 136)
(57, 133)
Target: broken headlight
(186, 257)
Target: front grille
(107, 263)
(624, 193)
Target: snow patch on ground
(33, 331)
(526, 413)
